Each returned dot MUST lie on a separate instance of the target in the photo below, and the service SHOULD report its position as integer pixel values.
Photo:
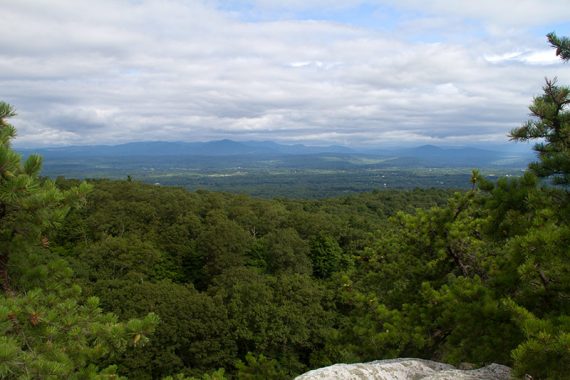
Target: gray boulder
(406, 369)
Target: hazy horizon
(510, 146)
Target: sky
(356, 73)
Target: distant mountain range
(422, 156)
(210, 148)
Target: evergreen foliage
(551, 127)
(48, 330)
(562, 45)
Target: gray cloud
(108, 72)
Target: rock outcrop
(406, 369)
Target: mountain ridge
(228, 147)
(421, 156)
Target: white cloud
(506, 13)
(540, 57)
(110, 72)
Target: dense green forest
(112, 279)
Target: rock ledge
(406, 369)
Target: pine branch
(561, 44)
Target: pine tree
(29, 207)
(47, 331)
(540, 254)
(551, 126)
(562, 45)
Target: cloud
(540, 57)
(506, 13)
(112, 72)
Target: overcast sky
(360, 73)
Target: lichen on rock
(406, 369)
